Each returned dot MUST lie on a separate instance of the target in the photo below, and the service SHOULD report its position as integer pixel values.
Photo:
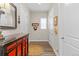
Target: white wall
(23, 27)
(53, 38)
(38, 35)
(25, 19)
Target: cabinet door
(12, 53)
(19, 50)
(10, 46)
(10, 49)
(25, 48)
(19, 47)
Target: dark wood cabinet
(17, 47)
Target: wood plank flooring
(40, 49)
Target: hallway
(39, 29)
(39, 44)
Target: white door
(69, 29)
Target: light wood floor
(40, 49)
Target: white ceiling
(39, 7)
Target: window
(43, 23)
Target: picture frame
(56, 24)
(35, 25)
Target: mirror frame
(9, 27)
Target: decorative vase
(1, 36)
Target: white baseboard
(37, 40)
(54, 49)
(56, 52)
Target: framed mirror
(8, 16)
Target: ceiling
(39, 6)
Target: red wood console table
(14, 46)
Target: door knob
(62, 37)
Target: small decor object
(18, 19)
(1, 36)
(35, 25)
(56, 24)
